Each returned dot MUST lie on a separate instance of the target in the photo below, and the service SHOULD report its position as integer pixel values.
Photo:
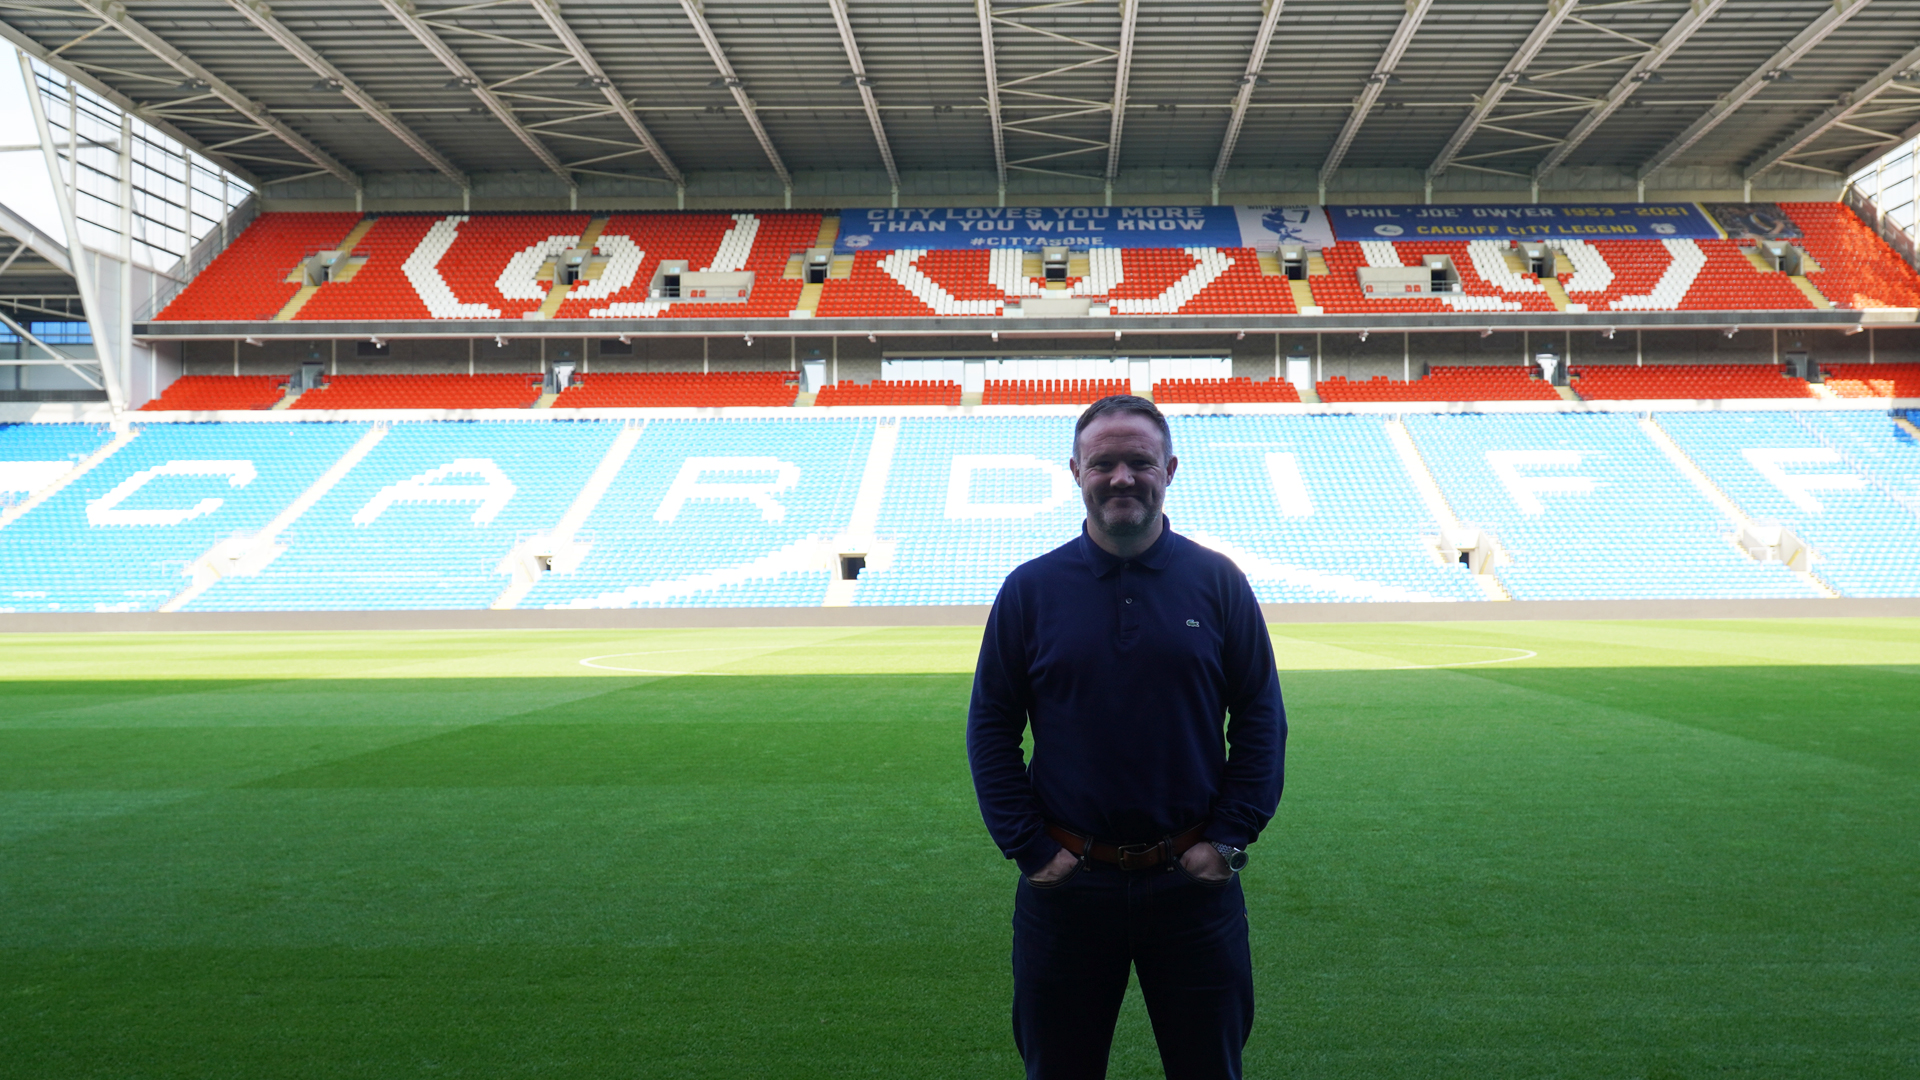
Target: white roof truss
(860, 80)
(1363, 105)
(739, 90)
(1762, 77)
(262, 16)
(1683, 28)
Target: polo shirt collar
(1103, 562)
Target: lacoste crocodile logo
(1193, 622)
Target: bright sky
(23, 174)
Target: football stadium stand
(1626, 382)
(125, 535)
(500, 391)
(896, 392)
(1857, 268)
(1588, 508)
(1051, 391)
(1445, 384)
(255, 277)
(715, 513)
(1841, 481)
(518, 266)
(806, 508)
(213, 392)
(680, 389)
(1900, 380)
(1208, 391)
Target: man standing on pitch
(1126, 649)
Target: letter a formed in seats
(689, 485)
(492, 494)
(1526, 488)
(105, 509)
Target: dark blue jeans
(1074, 942)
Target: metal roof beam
(1762, 77)
(1123, 70)
(122, 102)
(1677, 34)
(550, 11)
(31, 238)
(1262, 41)
(733, 83)
(404, 12)
(1836, 117)
(261, 16)
(859, 67)
(984, 8)
(1557, 13)
(1362, 105)
(115, 14)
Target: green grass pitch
(1506, 850)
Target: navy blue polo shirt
(1136, 675)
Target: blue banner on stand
(1524, 221)
(1031, 227)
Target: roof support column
(1837, 116)
(1557, 12)
(550, 12)
(105, 339)
(845, 25)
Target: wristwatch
(1236, 857)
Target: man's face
(1122, 467)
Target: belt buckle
(1142, 852)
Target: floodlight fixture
(1487, 333)
(1730, 331)
(1241, 336)
(499, 342)
(723, 83)
(1364, 333)
(323, 85)
(749, 338)
(592, 82)
(1779, 75)
(852, 81)
(1608, 333)
(254, 341)
(1854, 329)
(460, 82)
(1257, 80)
(1649, 77)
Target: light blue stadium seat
(1640, 530)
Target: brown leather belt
(1129, 856)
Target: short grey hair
(1123, 403)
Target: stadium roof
(957, 97)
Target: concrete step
(804, 400)
(287, 402)
(594, 229)
(1759, 261)
(1901, 421)
(1562, 264)
(1270, 264)
(1556, 292)
(545, 401)
(1807, 289)
(299, 301)
(1302, 294)
(841, 267)
(1309, 394)
(1317, 264)
(971, 397)
(1079, 264)
(809, 297)
(358, 234)
(829, 232)
(1567, 393)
